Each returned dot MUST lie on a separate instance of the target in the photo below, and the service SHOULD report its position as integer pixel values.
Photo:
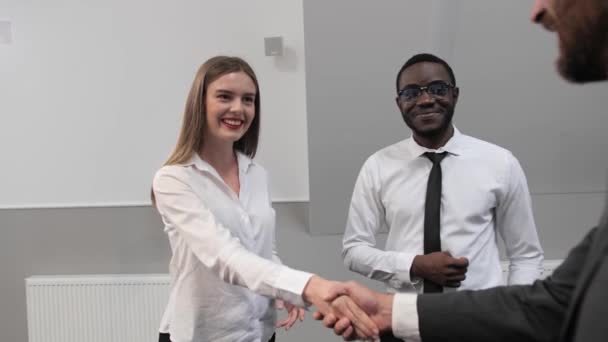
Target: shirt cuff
(403, 266)
(524, 276)
(405, 317)
(290, 285)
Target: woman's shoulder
(168, 170)
(171, 174)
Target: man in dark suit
(571, 304)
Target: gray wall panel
(130, 240)
(353, 52)
(73, 241)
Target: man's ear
(455, 93)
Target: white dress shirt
(484, 191)
(222, 276)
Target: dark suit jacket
(570, 305)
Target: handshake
(356, 312)
(352, 310)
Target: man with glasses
(443, 196)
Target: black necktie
(432, 214)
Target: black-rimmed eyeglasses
(414, 91)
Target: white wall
(92, 92)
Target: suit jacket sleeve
(515, 313)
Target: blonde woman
(214, 202)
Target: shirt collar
(453, 146)
(243, 161)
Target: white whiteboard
(92, 92)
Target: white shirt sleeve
(217, 249)
(365, 218)
(405, 317)
(275, 252)
(515, 224)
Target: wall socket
(273, 46)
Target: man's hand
(320, 293)
(378, 306)
(440, 268)
(293, 314)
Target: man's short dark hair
(426, 57)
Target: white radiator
(95, 308)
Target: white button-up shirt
(224, 269)
(484, 191)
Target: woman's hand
(293, 314)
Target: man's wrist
(385, 312)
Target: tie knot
(436, 158)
